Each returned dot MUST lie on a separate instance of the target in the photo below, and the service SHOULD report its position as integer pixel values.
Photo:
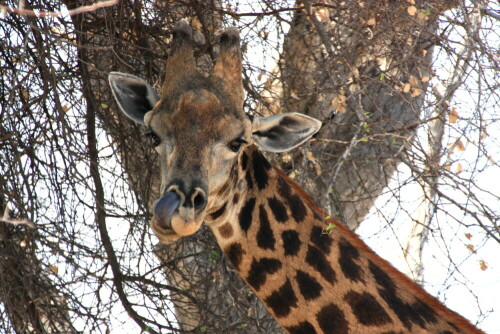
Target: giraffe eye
(235, 145)
(155, 140)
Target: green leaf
(366, 127)
(329, 228)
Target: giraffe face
(198, 142)
(199, 129)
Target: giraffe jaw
(170, 235)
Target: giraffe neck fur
(313, 280)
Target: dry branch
(79, 10)
(6, 219)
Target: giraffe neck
(314, 279)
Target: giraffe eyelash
(155, 139)
(235, 145)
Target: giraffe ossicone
(213, 172)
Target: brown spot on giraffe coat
(226, 230)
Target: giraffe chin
(185, 227)
(165, 235)
(179, 228)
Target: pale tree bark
(358, 66)
(30, 298)
(433, 151)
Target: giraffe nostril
(198, 199)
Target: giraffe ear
(135, 96)
(283, 132)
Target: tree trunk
(362, 68)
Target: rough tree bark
(358, 66)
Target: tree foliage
(407, 93)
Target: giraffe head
(199, 129)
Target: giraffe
(311, 279)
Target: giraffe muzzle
(164, 209)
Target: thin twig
(79, 10)
(319, 29)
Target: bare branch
(83, 9)
(6, 219)
(433, 151)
